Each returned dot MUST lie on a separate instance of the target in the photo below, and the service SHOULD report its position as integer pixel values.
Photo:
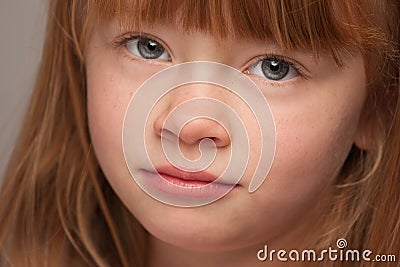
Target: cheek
(105, 115)
(112, 80)
(109, 90)
(312, 148)
(315, 130)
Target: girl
(330, 73)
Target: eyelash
(121, 41)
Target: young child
(330, 73)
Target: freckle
(131, 93)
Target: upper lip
(185, 175)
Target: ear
(365, 134)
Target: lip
(196, 178)
(173, 181)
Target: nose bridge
(204, 47)
(204, 80)
(192, 91)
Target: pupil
(152, 46)
(274, 66)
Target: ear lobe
(365, 134)
(363, 142)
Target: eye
(147, 48)
(275, 69)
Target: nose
(195, 130)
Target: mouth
(173, 181)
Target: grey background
(22, 27)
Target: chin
(209, 232)
(202, 229)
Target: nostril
(167, 135)
(220, 142)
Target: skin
(317, 122)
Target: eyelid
(121, 41)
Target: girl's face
(316, 107)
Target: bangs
(325, 25)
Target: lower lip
(187, 188)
